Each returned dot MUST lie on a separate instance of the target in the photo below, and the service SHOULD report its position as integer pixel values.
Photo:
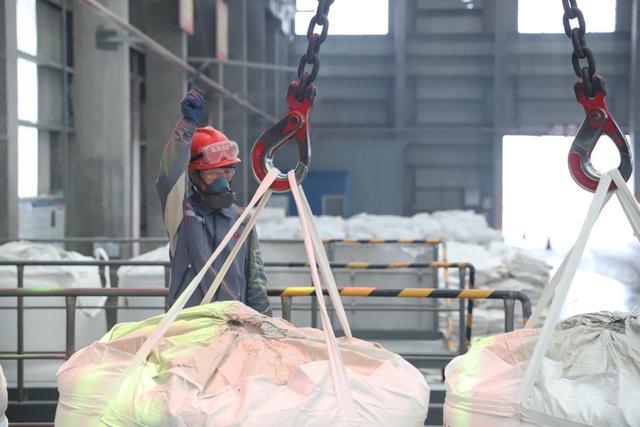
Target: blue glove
(192, 104)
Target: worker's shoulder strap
(240, 211)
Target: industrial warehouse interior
(319, 213)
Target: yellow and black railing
(461, 266)
(441, 257)
(470, 294)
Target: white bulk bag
(45, 329)
(584, 373)
(3, 399)
(142, 277)
(224, 364)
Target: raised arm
(172, 180)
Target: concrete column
(400, 47)
(166, 85)
(8, 121)
(504, 22)
(102, 153)
(236, 80)
(400, 28)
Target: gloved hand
(192, 104)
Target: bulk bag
(225, 364)
(91, 323)
(582, 372)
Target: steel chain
(580, 49)
(311, 57)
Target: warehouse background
(414, 113)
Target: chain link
(580, 49)
(311, 57)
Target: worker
(197, 205)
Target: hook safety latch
(598, 121)
(293, 126)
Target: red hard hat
(211, 149)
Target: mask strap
(195, 184)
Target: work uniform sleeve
(256, 279)
(172, 178)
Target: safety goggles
(219, 152)
(227, 171)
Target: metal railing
(441, 256)
(287, 295)
(464, 337)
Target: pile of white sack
(455, 225)
(498, 267)
(616, 258)
(141, 277)
(45, 329)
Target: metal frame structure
(107, 14)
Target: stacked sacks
(590, 376)
(617, 259)
(91, 323)
(365, 226)
(455, 225)
(141, 277)
(498, 267)
(225, 364)
(466, 226)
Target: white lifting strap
(338, 370)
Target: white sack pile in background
(50, 276)
(141, 277)
(617, 258)
(498, 267)
(45, 329)
(461, 226)
(145, 272)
